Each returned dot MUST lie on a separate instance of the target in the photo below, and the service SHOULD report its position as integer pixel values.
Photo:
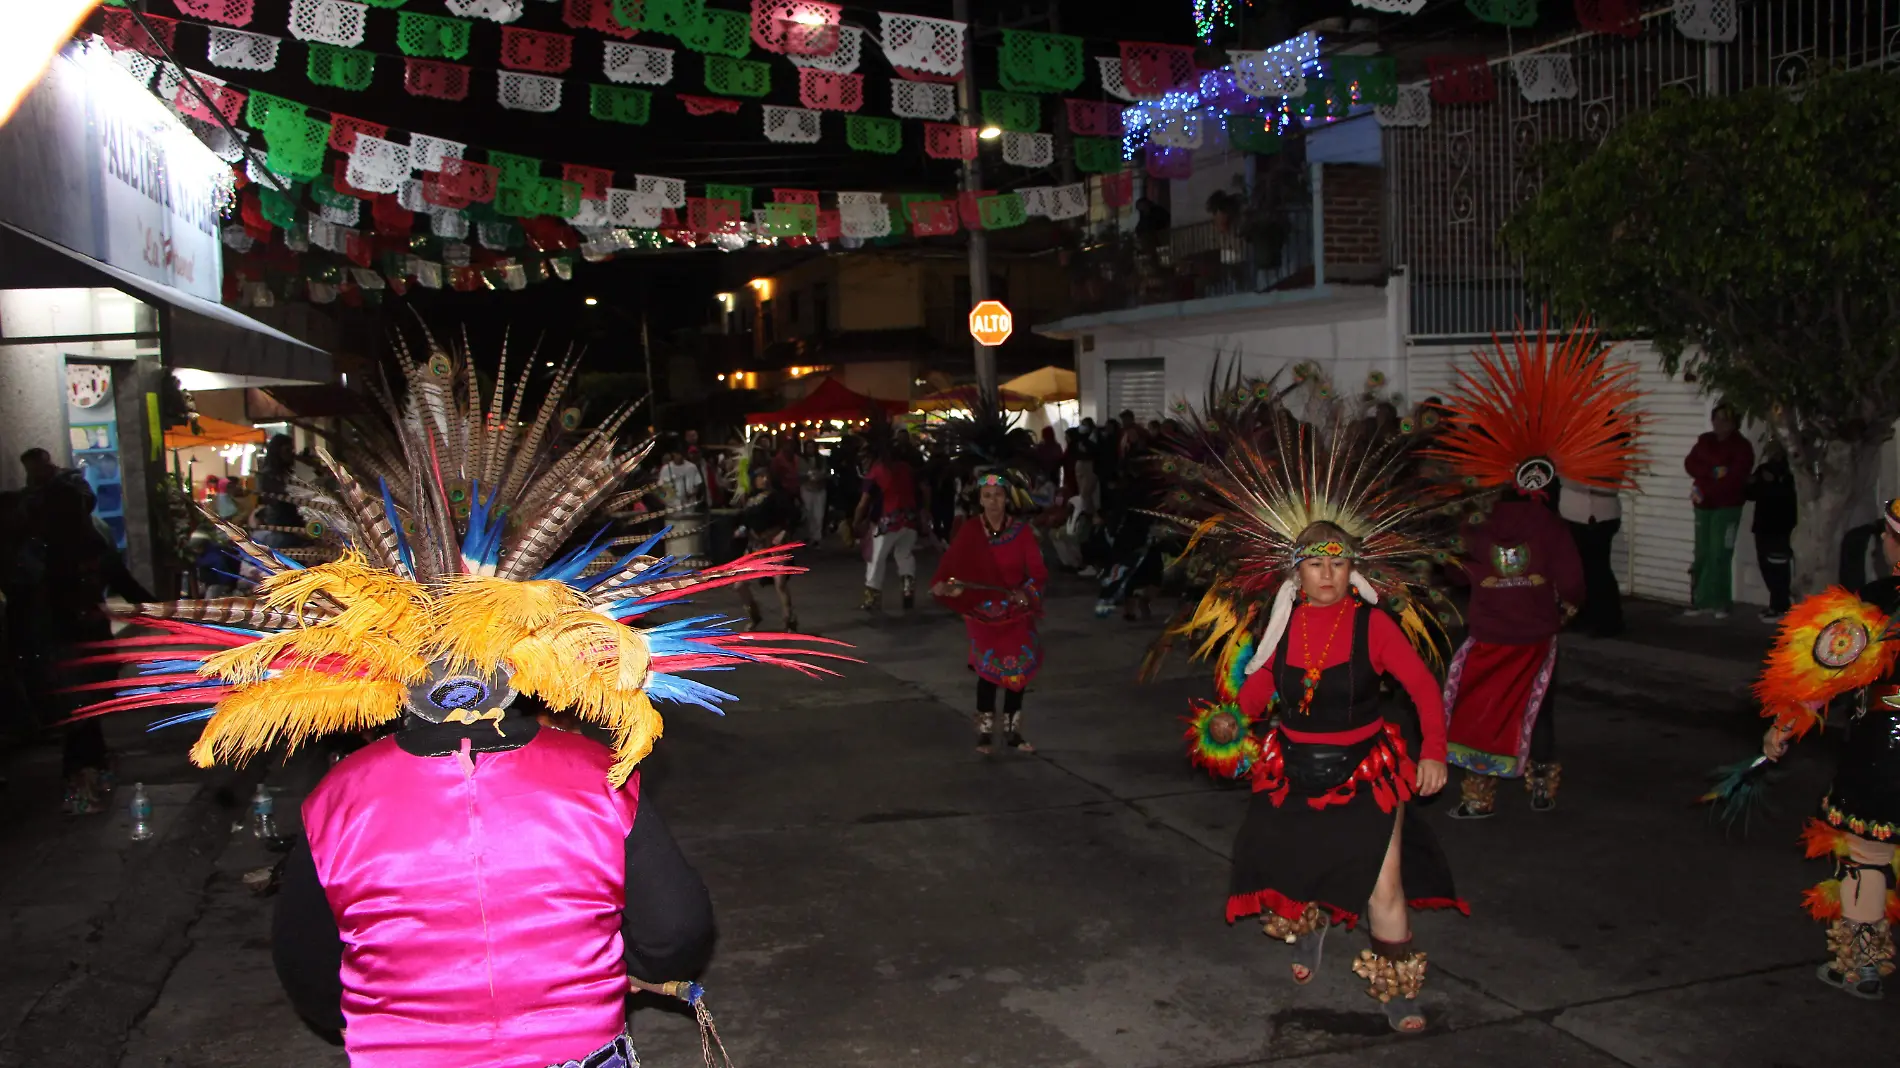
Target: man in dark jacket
(1771, 487)
(1719, 464)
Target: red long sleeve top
(1720, 470)
(1386, 646)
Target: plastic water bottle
(263, 819)
(141, 813)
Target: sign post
(990, 323)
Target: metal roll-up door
(1140, 386)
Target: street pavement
(887, 896)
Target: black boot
(910, 592)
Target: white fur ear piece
(1276, 624)
(1365, 587)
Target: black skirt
(1865, 797)
(1291, 853)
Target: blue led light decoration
(1224, 92)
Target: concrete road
(887, 896)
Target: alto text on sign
(991, 323)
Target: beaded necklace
(1313, 669)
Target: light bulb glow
(989, 133)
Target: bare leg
(1393, 969)
(1862, 939)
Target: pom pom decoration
(1829, 644)
(1220, 739)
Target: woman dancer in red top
(1319, 531)
(993, 576)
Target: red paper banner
(593, 180)
(343, 131)
(468, 180)
(795, 196)
(123, 32)
(1149, 69)
(1624, 18)
(594, 15)
(709, 105)
(228, 101)
(825, 90)
(435, 79)
(541, 51)
(933, 218)
(1461, 80)
(1094, 118)
(970, 210)
(945, 141)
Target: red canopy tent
(831, 399)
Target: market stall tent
(213, 433)
(830, 400)
(963, 398)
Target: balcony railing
(1263, 251)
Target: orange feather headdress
(1543, 409)
(1828, 645)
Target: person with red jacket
(1536, 412)
(1720, 464)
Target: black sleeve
(668, 920)
(306, 947)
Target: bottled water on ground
(141, 813)
(263, 817)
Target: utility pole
(646, 349)
(972, 183)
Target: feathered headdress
(1541, 410)
(983, 435)
(1248, 479)
(443, 598)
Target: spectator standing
(785, 466)
(1594, 516)
(814, 477)
(1719, 464)
(1771, 487)
(683, 478)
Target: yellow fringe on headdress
(251, 720)
(383, 623)
(560, 651)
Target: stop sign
(990, 323)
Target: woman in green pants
(1719, 464)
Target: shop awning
(831, 399)
(1049, 385)
(215, 433)
(200, 334)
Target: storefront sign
(94, 162)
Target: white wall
(1347, 337)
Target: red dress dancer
(1532, 415)
(993, 576)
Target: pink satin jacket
(479, 900)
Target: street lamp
(990, 133)
(590, 302)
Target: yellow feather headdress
(448, 562)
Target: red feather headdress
(1542, 409)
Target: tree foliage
(1757, 235)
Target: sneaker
(1088, 572)
(1769, 615)
(1694, 612)
(1719, 613)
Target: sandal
(1402, 1011)
(1864, 983)
(1307, 954)
(983, 744)
(1019, 743)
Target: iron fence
(1451, 185)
